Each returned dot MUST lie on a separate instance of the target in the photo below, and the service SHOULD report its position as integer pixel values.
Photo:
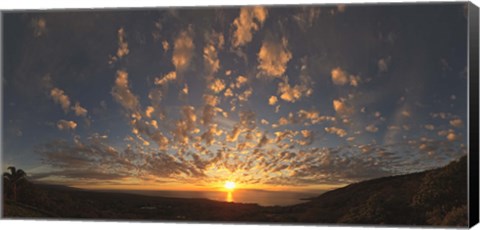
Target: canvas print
(299, 114)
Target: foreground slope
(435, 197)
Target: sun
(229, 185)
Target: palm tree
(13, 178)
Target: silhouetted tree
(13, 178)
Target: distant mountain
(57, 187)
(434, 197)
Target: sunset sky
(276, 98)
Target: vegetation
(12, 179)
(435, 197)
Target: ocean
(260, 197)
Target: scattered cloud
(241, 81)
(79, 110)
(451, 136)
(217, 86)
(457, 123)
(383, 64)
(169, 77)
(371, 128)
(337, 131)
(66, 125)
(183, 48)
(122, 94)
(272, 100)
(228, 93)
(39, 27)
(210, 52)
(249, 21)
(294, 93)
(273, 57)
(245, 95)
(341, 77)
(341, 108)
(306, 17)
(429, 127)
(122, 44)
(149, 111)
(61, 98)
(341, 8)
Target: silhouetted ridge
(434, 197)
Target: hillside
(435, 197)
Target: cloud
(79, 110)
(169, 77)
(250, 20)
(79, 156)
(161, 141)
(334, 130)
(457, 123)
(282, 135)
(307, 17)
(312, 117)
(165, 46)
(263, 141)
(241, 81)
(154, 123)
(273, 57)
(39, 27)
(245, 95)
(149, 111)
(61, 98)
(371, 128)
(288, 93)
(122, 94)
(80, 174)
(233, 136)
(122, 44)
(451, 136)
(294, 93)
(308, 137)
(247, 123)
(185, 90)
(341, 77)
(210, 53)
(341, 108)
(211, 133)
(66, 125)
(183, 49)
(217, 85)
(272, 100)
(383, 64)
(406, 113)
(228, 93)
(429, 127)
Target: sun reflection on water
(229, 196)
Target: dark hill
(435, 197)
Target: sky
(275, 98)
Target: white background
(73, 225)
